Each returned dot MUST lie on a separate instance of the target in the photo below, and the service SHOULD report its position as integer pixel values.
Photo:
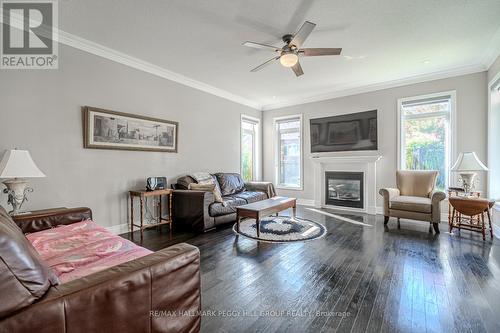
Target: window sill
(293, 188)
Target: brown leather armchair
(159, 292)
(414, 198)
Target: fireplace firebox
(344, 189)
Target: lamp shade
(468, 161)
(19, 164)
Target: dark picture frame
(107, 129)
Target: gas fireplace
(344, 189)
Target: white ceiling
(382, 40)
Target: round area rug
(282, 229)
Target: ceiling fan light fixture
(289, 59)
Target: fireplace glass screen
(344, 189)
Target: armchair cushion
(416, 183)
(227, 207)
(251, 196)
(411, 203)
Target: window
(289, 152)
(249, 134)
(425, 134)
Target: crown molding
(377, 86)
(130, 61)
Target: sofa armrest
(159, 292)
(436, 198)
(41, 221)
(190, 209)
(266, 187)
(388, 194)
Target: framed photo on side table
(105, 129)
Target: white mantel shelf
(347, 163)
(346, 159)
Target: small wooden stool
(468, 213)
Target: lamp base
(468, 179)
(17, 189)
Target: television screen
(355, 131)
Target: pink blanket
(83, 248)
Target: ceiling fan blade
(261, 46)
(313, 52)
(297, 69)
(301, 35)
(270, 61)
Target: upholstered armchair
(414, 198)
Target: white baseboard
(119, 228)
(305, 202)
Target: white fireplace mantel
(347, 163)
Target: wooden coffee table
(260, 209)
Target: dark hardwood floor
(355, 279)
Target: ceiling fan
(289, 54)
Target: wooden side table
(458, 192)
(142, 195)
(468, 213)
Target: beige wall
(40, 112)
(471, 124)
(494, 69)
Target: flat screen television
(348, 132)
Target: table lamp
(467, 166)
(15, 167)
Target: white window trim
(494, 84)
(453, 128)
(276, 153)
(256, 148)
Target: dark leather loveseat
(159, 292)
(198, 210)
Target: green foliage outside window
(247, 156)
(425, 141)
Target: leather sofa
(198, 211)
(414, 198)
(159, 292)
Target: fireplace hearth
(344, 189)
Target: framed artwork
(105, 129)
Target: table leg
(489, 221)
(452, 220)
(257, 225)
(142, 217)
(481, 218)
(132, 216)
(294, 211)
(238, 219)
(159, 212)
(450, 212)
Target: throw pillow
(207, 188)
(230, 183)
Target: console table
(142, 195)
